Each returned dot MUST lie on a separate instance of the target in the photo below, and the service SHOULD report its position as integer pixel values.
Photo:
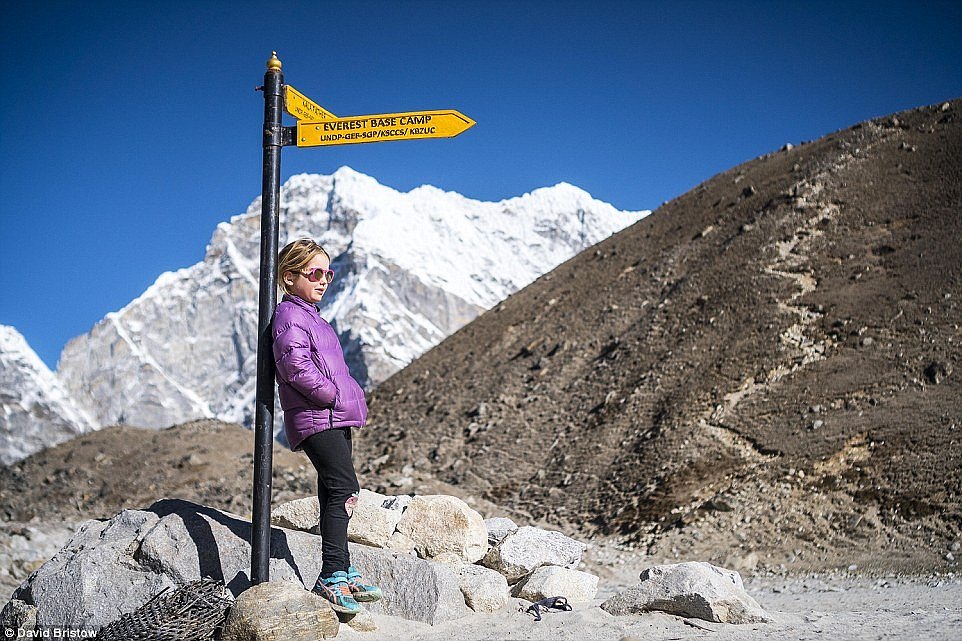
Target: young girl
(321, 402)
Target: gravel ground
(803, 608)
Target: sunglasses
(318, 274)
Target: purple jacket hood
(316, 389)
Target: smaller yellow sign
(410, 125)
(302, 107)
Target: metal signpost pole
(316, 127)
(264, 404)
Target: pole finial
(273, 64)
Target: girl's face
(302, 287)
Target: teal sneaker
(361, 592)
(337, 591)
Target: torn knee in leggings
(349, 504)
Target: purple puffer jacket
(317, 391)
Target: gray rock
(552, 580)
(372, 523)
(362, 622)
(299, 514)
(93, 579)
(413, 588)
(401, 543)
(484, 589)
(528, 547)
(498, 528)
(109, 568)
(440, 524)
(279, 611)
(18, 615)
(692, 589)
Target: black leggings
(337, 489)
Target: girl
(321, 403)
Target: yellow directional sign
(410, 125)
(302, 107)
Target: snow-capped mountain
(35, 409)
(411, 268)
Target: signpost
(382, 128)
(316, 127)
(302, 107)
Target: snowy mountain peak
(412, 268)
(35, 409)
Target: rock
(93, 579)
(692, 589)
(484, 589)
(937, 371)
(528, 547)
(109, 568)
(439, 523)
(18, 615)
(278, 610)
(299, 514)
(413, 588)
(372, 523)
(400, 543)
(742, 563)
(452, 559)
(362, 622)
(552, 580)
(498, 528)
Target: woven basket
(191, 612)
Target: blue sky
(129, 130)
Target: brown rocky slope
(763, 371)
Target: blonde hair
(295, 257)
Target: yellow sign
(383, 128)
(302, 107)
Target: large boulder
(552, 580)
(279, 611)
(94, 578)
(372, 523)
(412, 588)
(693, 589)
(444, 526)
(109, 568)
(484, 589)
(521, 551)
(299, 514)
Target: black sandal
(552, 602)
